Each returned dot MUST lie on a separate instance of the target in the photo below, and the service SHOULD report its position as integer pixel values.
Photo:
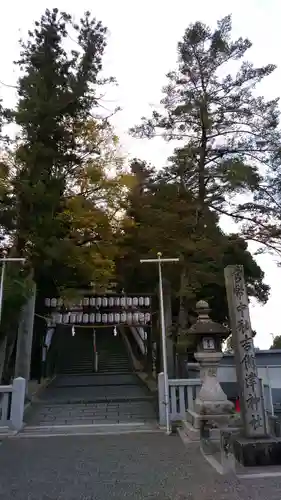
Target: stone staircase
(76, 353)
(79, 401)
(113, 356)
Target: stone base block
(223, 407)
(257, 452)
(216, 421)
(194, 434)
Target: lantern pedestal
(211, 399)
(212, 410)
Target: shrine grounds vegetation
(79, 212)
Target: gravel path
(133, 466)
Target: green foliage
(276, 342)
(162, 217)
(68, 206)
(63, 194)
(226, 133)
(226, 130)
(17, 289)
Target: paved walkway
(144, 466)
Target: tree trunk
(3, 346)
(25, 334)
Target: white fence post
(161, 399)
(17, 404)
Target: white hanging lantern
(92, 317)
(135, 301)
(53, 302)
(136, 317)
(58, 318)
(147, 301)
(47, 302)
(86, 301)
(111, 301)
(104, 302)
(104, 318)
(92, 301)
(123, 317)
(85, 318)
(129, 301)
(123, 301)
(79, 317)
(60, 302)
(117, 301)
(65, 318)
(147, 317)
(141, 317)
(98, 317)
(117, 317)
(98, 301)
(111, 318)
(72, 318)
(141, 301)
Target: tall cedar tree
(58, 95)
(50, 212)
(160, 218)
(226, 131)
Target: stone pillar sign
(251, 401)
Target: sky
(142, 48)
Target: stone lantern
(211, 403)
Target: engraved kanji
(249, 361)
(256, 421)
(251, 380)
(247, 343)
(253, 402)
(241, 308)
(238, 287)
(243, 326)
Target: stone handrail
(138, 366)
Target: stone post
(251, 401)
(17, 404)
(25, 334)
(167, 298)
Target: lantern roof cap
(204, 325)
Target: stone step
(84, 429)
(92, 400)
(98, 412)
(115, 367)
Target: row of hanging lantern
(93, 318)
(101, 302)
